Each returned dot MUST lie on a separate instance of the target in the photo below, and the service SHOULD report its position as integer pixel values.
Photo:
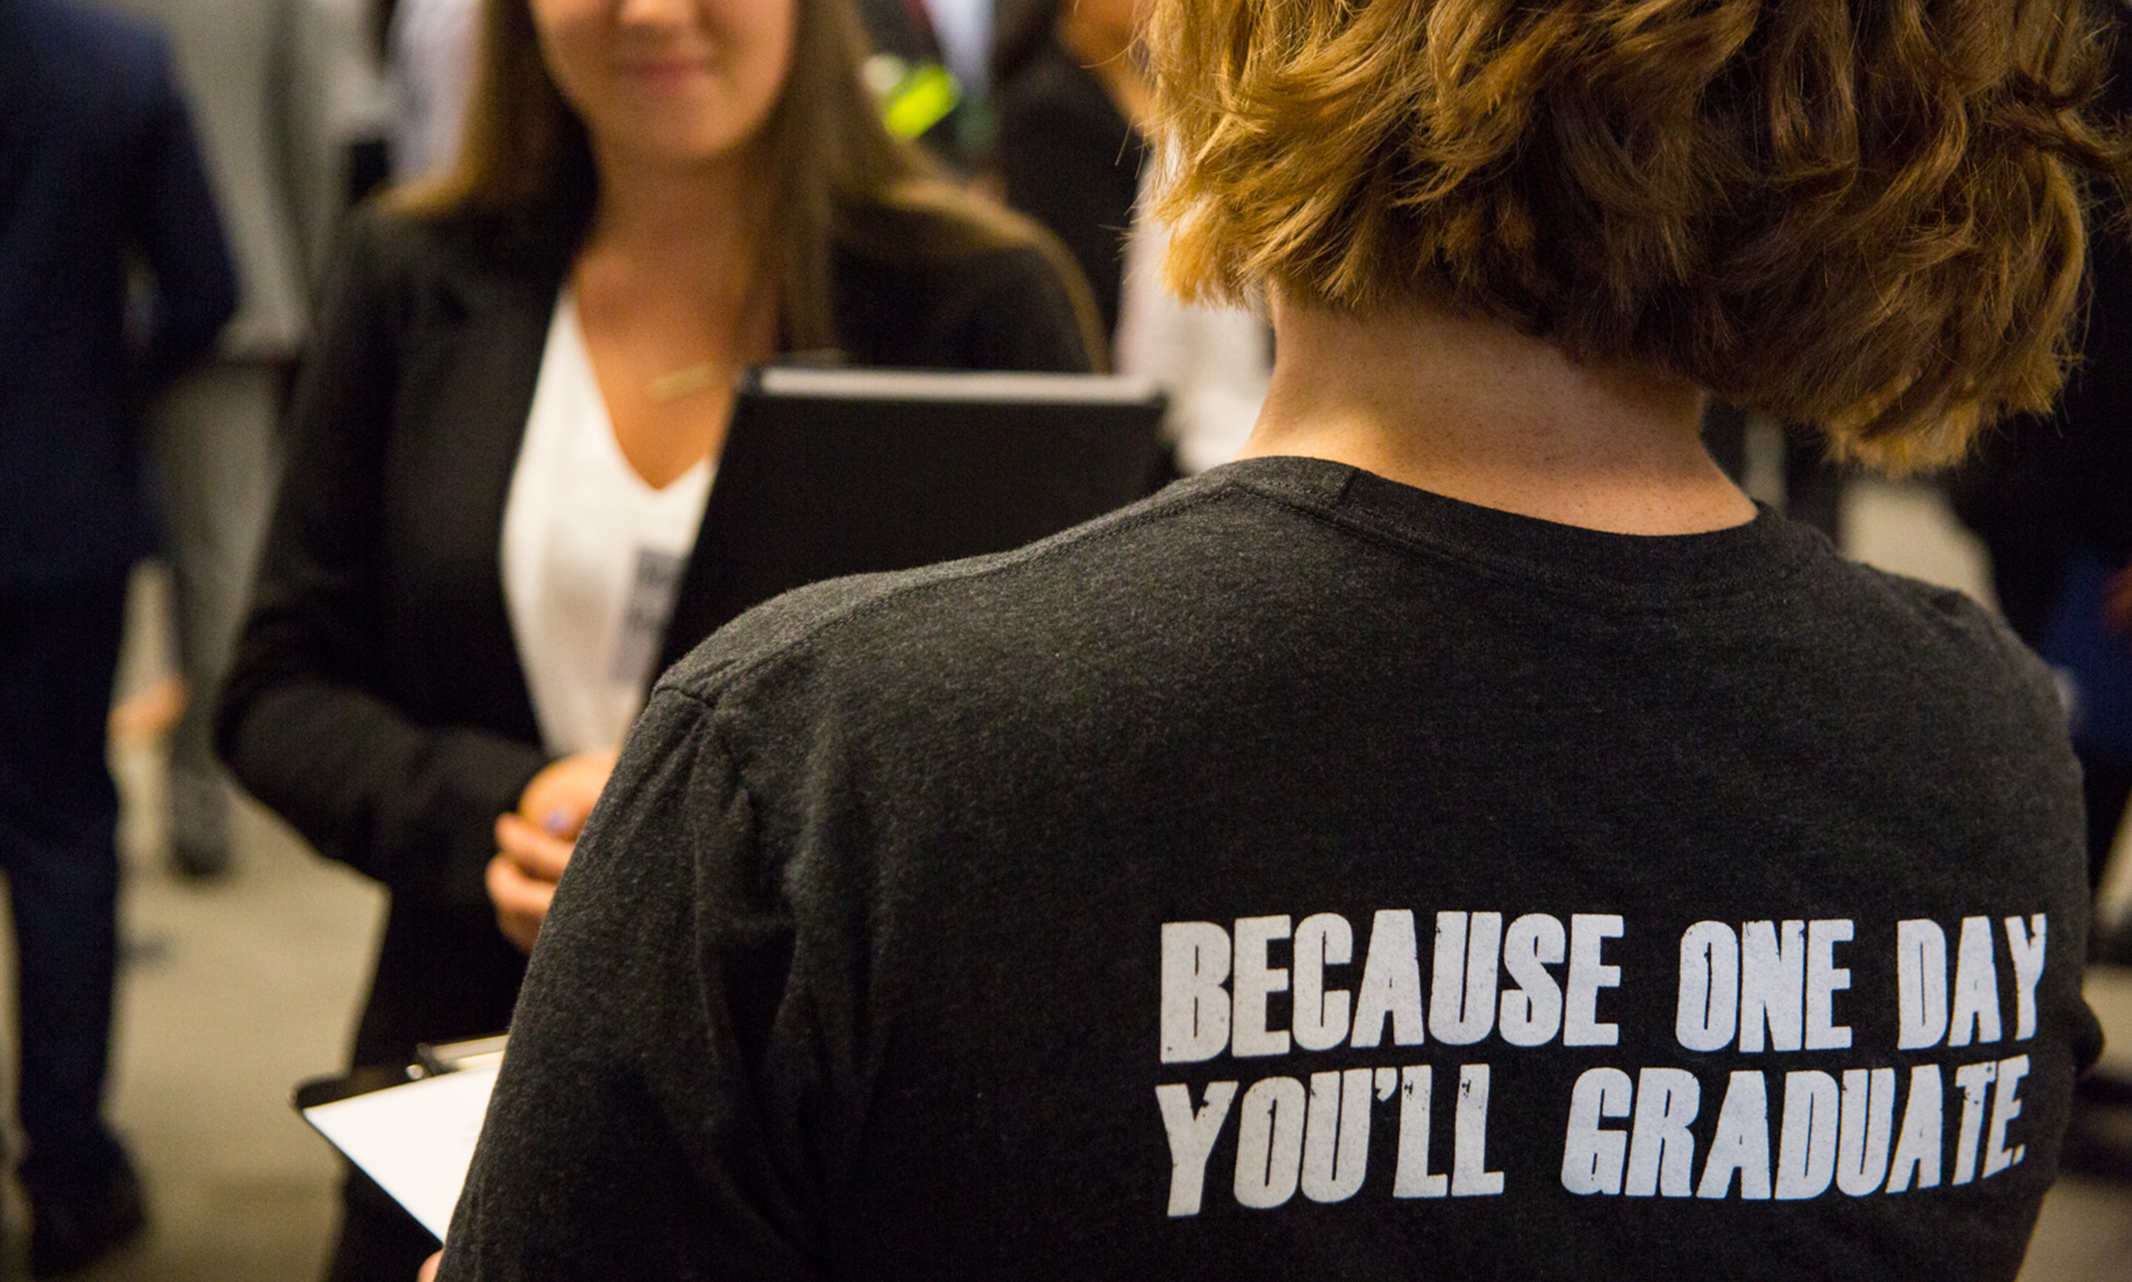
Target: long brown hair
(840, 179)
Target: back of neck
(1476, 411)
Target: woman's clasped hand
(533, 843)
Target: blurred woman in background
(504, 440)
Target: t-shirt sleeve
(642, 1125)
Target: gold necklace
(685, 381)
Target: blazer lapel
(472, 371)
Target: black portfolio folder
(829, 471)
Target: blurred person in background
(962, 36)
(1067, 913)
(506, 433)
(2051, 496)
(217, 443)
(921, 97)
(430, 61)
(102, 195)
(339, 117)
(1069, 102)
(1212, 360)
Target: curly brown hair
(1862, 214)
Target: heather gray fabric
(1298, 874)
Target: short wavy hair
(1866, 215)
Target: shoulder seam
(959, 572)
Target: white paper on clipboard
(416, 1140)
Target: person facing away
(1463, 836)
(2050, 495)
(504, 438)
(114, 278)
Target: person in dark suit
(1068, 98)
(2054, 489)
(527, 365)
(98, 173)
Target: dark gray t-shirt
(1299, 874)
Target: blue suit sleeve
(194, 287)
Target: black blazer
(376, 700)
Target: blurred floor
(232, 991)
(236, 990)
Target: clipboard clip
(451, 1057)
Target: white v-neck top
(592, 554)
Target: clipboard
(411, 1130)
